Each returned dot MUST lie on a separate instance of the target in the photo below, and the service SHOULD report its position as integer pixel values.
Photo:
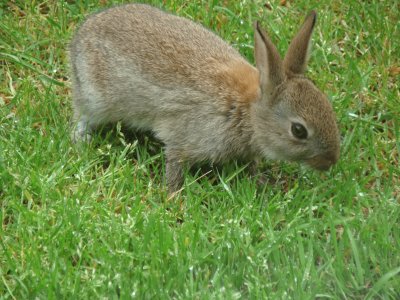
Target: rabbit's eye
(299, 131)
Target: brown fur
(243, 80)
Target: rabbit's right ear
(299, 49)
(268, 61)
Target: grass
(94, 221)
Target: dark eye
(299, 131)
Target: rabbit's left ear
(299, 49)
(268, 61)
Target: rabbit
(152, 70)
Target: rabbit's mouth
(323, 162)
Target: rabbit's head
(293, 119)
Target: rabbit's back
(174, 52)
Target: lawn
(94, 220)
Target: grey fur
(156, 71)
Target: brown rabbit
(155, 71)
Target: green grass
(94, 221)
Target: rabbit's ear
(299, 49)
(268, 61)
